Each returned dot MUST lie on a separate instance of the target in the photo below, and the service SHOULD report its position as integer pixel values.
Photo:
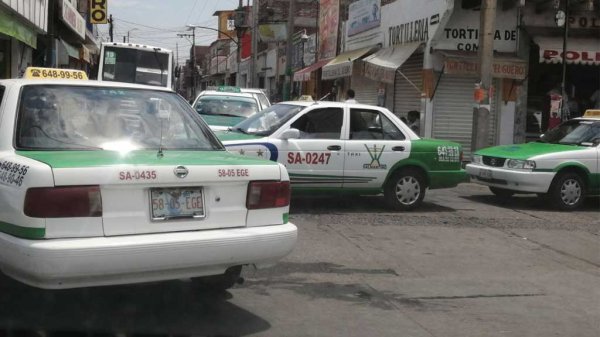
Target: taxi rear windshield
(58, 117)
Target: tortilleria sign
(501, 68)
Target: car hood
(526, 151)
(232, 135)
(221, 120)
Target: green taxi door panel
(315, 160)
(373, 146)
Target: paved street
(462, 265)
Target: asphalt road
(465, 264)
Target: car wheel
(219, 282)
(567, 191)
(501, 192)
(405, 189)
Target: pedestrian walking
(350, 96)
(414, 121)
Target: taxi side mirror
(290, 134)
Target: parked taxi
(562, 166)
(349, 148)
(225, 106)
(107, 183)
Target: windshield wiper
(238, 129)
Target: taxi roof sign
(228, 88)
(592, 113)
(54, 73)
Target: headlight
(477, 159)
(520, 164)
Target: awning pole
(409, 81)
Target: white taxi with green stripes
(563, 166)
(105, 183)
(336, 147)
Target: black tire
(567, 191)
(405, 189)
(219, 282)
(501, 192)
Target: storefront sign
(580, 20)
(408, 22)
(98, 11)
(73, 19)
(363, 15)
(501, 68)
(462, 31)
(383, 74)
(336, 71)
(572, 56)
(329, 14)
(84, 54)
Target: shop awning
(11, 26)
(71, 51)
(382, 65)
(304, 73)
(341, 66)
(467, 64)
(579, 50)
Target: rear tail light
(63, 202)
(268, 194)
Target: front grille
(493, 161)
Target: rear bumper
(82, 262)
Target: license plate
(171, 203)
(485, 173)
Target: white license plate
(485, 173)
(171, 203)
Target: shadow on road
(352, 204)
(173, 308)
(530, 202)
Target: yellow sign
(98, 12)
(592, 113)
(54, 73)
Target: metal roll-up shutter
(406, 96)
(453, 112)
(365, 89)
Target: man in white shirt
(350, 96)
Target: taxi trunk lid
(144, 193)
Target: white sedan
(112, 183)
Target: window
(371, 124)
(53, 117)
(320, 124)
(1, 94)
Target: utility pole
(193, 63)
(565, 113)
(110, 28)
(287, 88)
(481, 112)
(240, 29)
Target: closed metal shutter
(453, 112)
(365, 89)
(406, 96)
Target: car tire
(405, 189)
(567, 191)
(501, 192)
(219, 282)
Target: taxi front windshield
(59, 117)
(269, 120)
(233, 106)
(573, 132)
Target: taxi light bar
(268, 194)
(63, 202)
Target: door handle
(334, 147)
(398, 148)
